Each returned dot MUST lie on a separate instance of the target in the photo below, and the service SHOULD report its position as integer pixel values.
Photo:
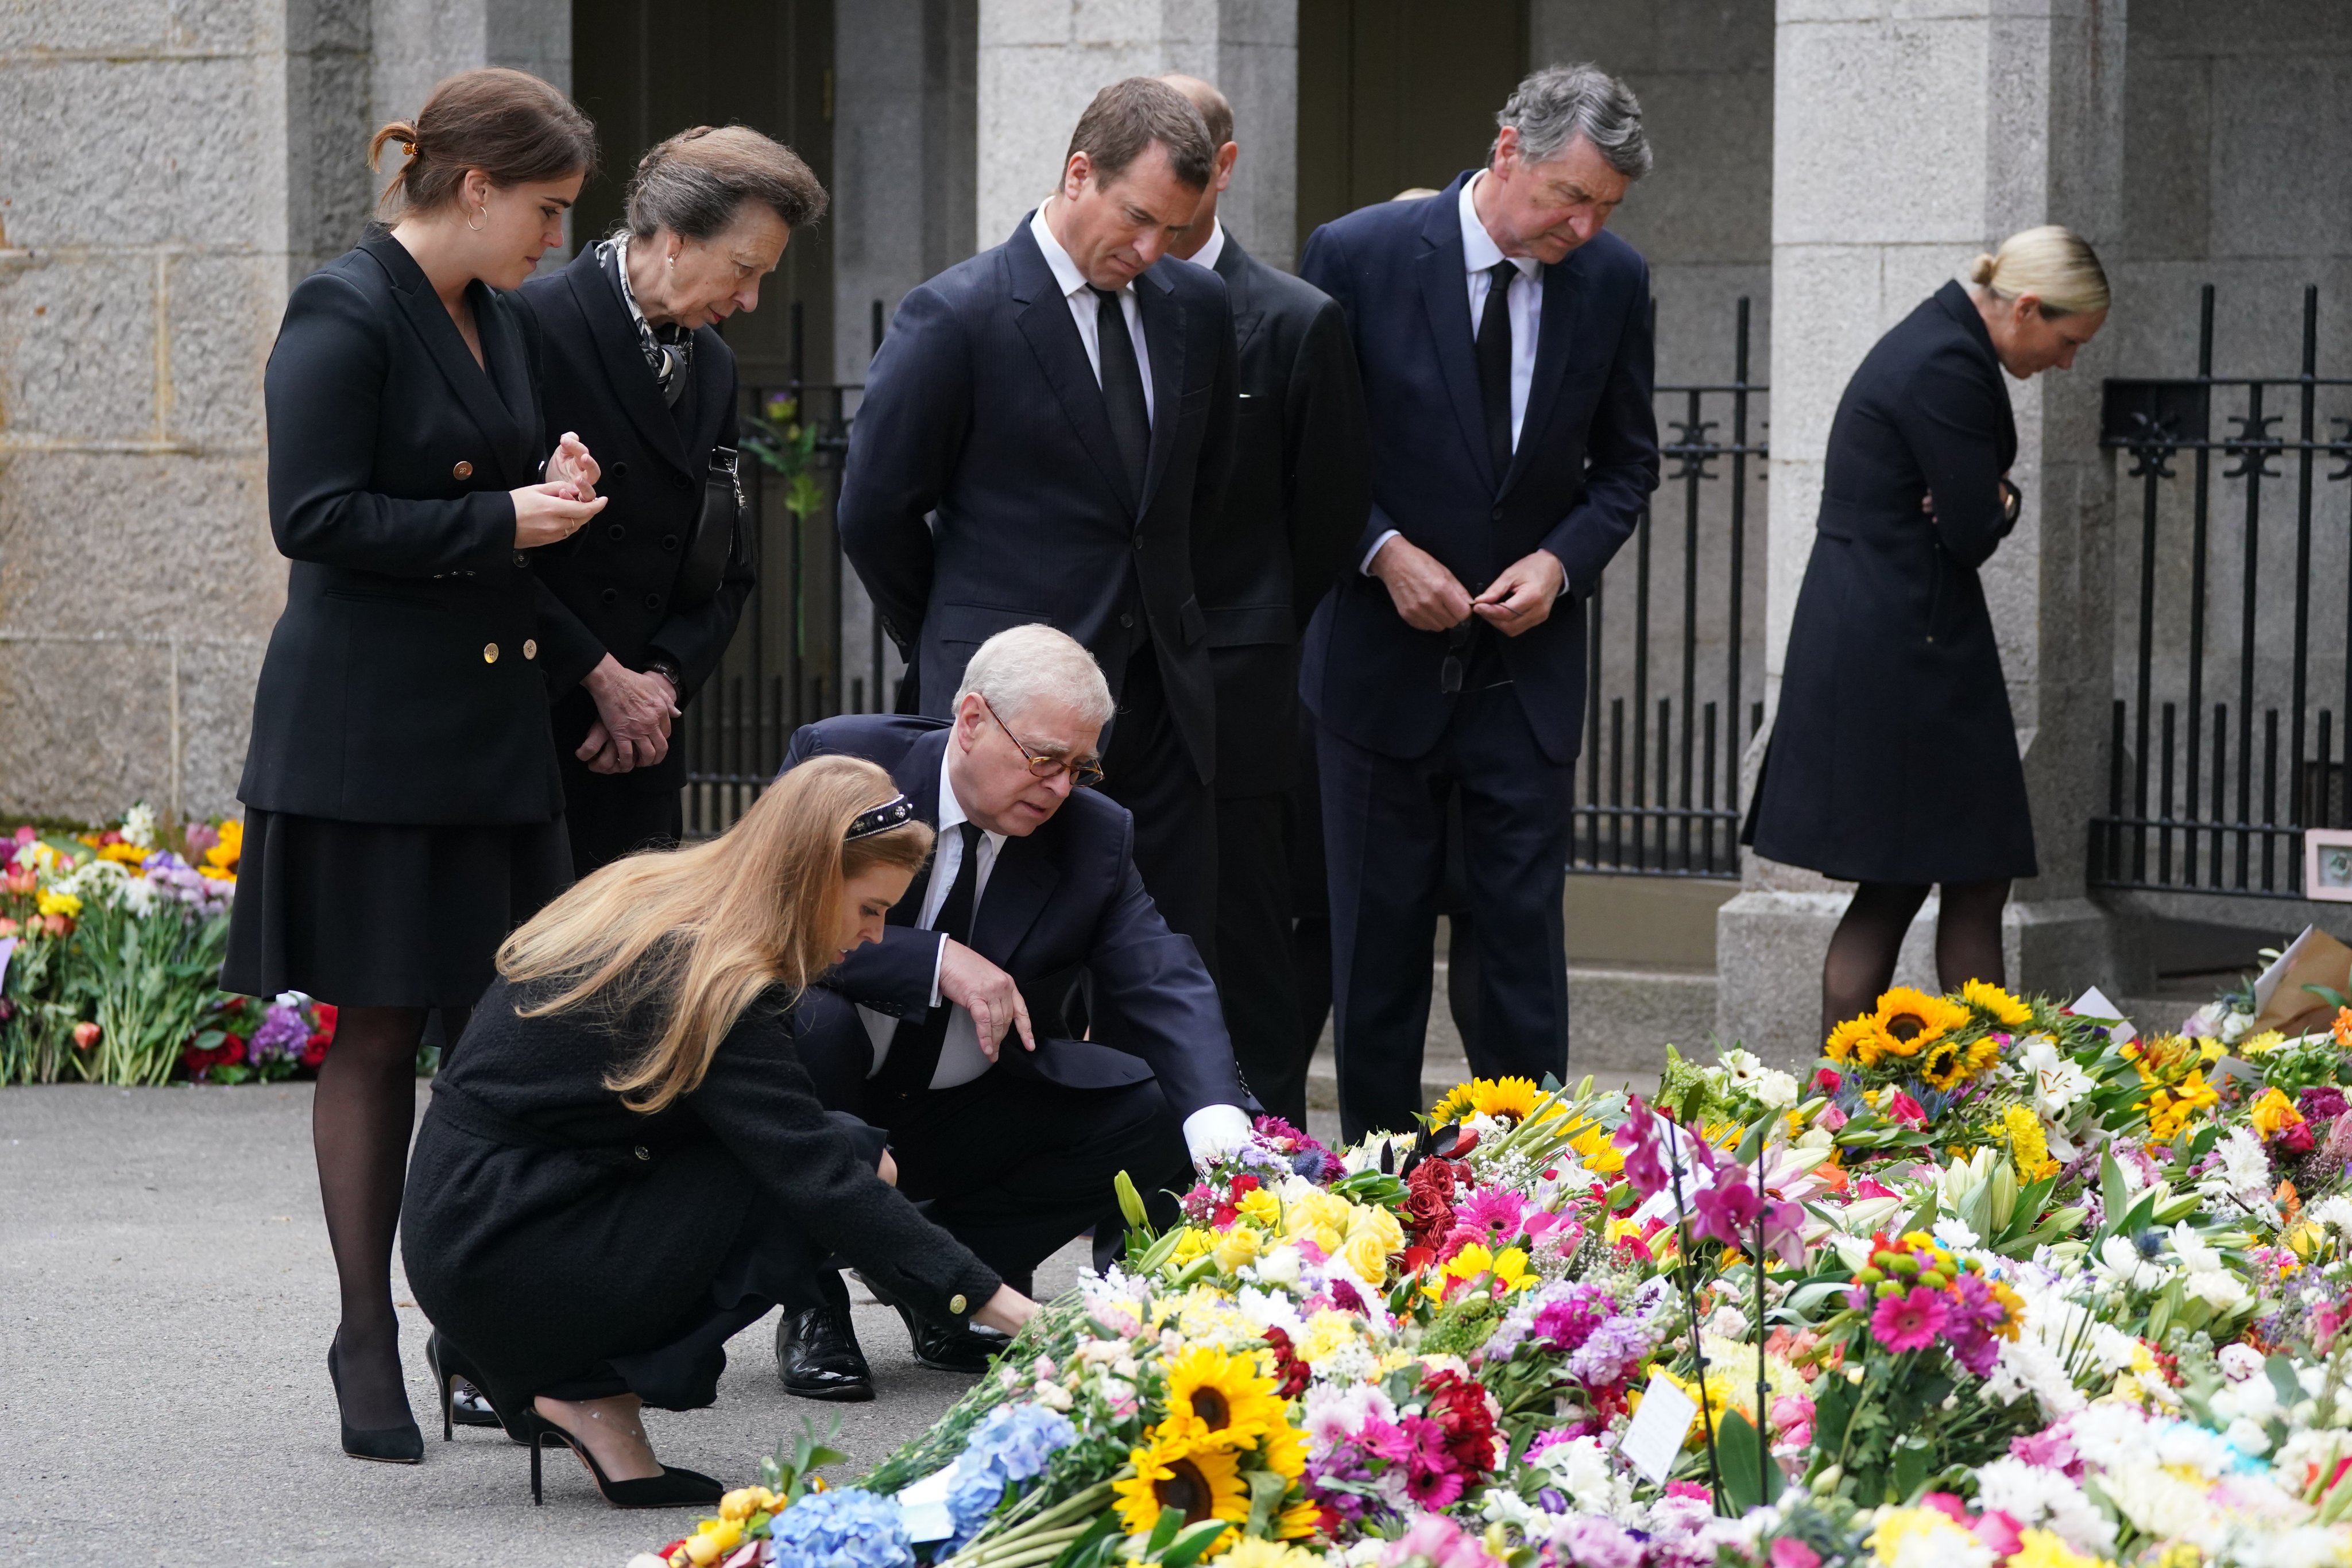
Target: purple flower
(1726, 1211)
(2322, 1103)
(1610, 1352)
(1567, 1324)
(282, 1035)
(1592, 1542)
(1637, 1139)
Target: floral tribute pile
(1995, 1282)
(110, 943)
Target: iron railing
(2197, 800)
(1660, 802)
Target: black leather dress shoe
(817, 1356)
(967, 1348)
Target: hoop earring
(482, 212)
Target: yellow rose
(1235, 1248)
(1261, 1207)
(1367, 1256)
(1318, 1211)
(715, 1540)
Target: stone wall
(169, 172)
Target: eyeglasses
(1083, 775)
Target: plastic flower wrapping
(1996, 1281)
(111, 946)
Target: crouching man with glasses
(1010, 1137)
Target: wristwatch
(660, 664)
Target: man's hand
(1523, 596)
(1429, 597)
(633, 714)
(987, 993)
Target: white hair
(1559, 103)
(1029, 663)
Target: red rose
(314, 1049)
(324, 1014)
(1244, 1185)
(1459, 1407)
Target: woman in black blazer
(645, 601)
(1894, 761)
(627, 1164)
(402, 810)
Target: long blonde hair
(2053, 263)
(680, 942)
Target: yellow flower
(129, 854)
(1251, 1552)
(1261, 1207)
(1511, 1099)
(1725, 1392)
(1297, 1522)
(1594, 1151)
(2170, 1110)
(1997, 1005)
(2261, 1045)
(1454, 1105)
(1509, 1269)
(1219, 1400)
(2272, 1113)
(746, 1502)
(1945, 1064)
(1172, 1472)
(1854, 1038)
(55, 902)
(1191, 1242)
(2028, 1146)
(1316, 1212)
(715, 1540)
(1920, 1535)
(220, 861)
(1235, 1248)
(1908, 1022)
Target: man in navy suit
(1015, 1136)
(1040, 431)
(1505, 342)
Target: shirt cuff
(938, 962)
(1366, 565)
(1214, 1130)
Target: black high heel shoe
(400, 1445)
(450, 1367)
(671, 1488)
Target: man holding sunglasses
(1013, 1136)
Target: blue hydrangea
(842, 1527)
(1010, 1445)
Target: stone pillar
(1042, 60)
(1905, 142)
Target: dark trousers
(1384, 834)
(1147, 768)
(1258, 975)
(611, 814)
(1015, 1167)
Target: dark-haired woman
(628, 1163)
(403, 808)
(648, 598)
(1893, 760)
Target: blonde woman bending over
(627, 1165)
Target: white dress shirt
(1207, 1131)
(1207, 254)
(1083, 306)
(1479, 254)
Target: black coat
(982, 407)
(603, 1233)
(1065, 898)
(402, 683)
(613, 587)
(1894, 758)
(1294, 506)
(1586, 461)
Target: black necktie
(1495, 365)
(1122, 386)
(915, 1048)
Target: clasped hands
(634, 708)
(552, 511)
(1431, 599)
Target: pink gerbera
(1909, 1322)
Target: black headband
(895, 812)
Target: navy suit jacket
(1586, 459)
(1065, 898)
(981, 408)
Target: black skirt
(383, 915)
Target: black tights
(1861, 962)
(360, 1123)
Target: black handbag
(712, 543)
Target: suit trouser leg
(1515, 821)
(1255, 979)
(1148, 770)
(608, 816)
(1017, 1166)
(1384, 844)
(1310, 895)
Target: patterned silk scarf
(668, 350)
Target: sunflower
(1951, 1062)
(1595, 1152)
(1298, 1521)
(1908, 1022)
(1173, 1471)
(1505, 1099)
(1997, 1005)
(1251, 1552)
(1854, 1038)
(1457, 1103)
(1284, 1449)
(1218, 1400)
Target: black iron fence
(1674, 685)
(2225, 740)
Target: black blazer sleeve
(1330, 466)
(323, 392)
(1621, 455)
(1951, 417)
(697, 638)
(904, 447)
(759, 1100)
